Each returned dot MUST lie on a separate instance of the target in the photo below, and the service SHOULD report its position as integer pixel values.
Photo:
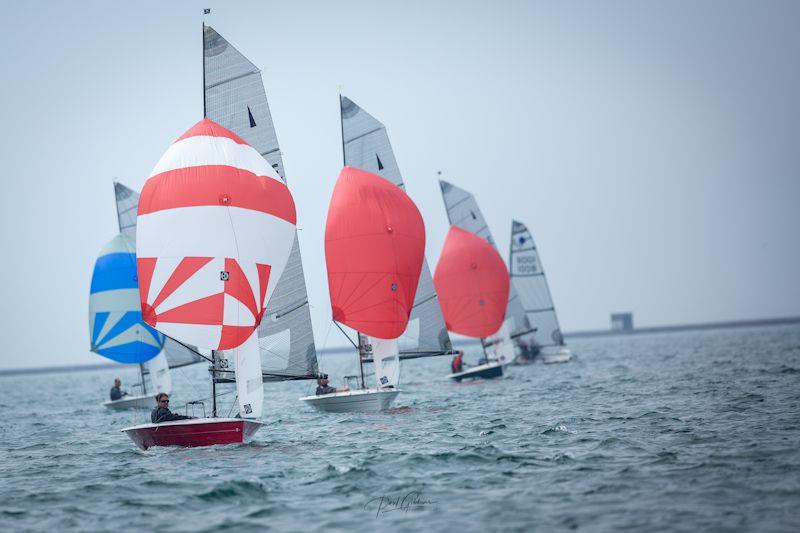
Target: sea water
(680, 431)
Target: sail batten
(236, 99)
(367, 147)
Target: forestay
(367, 146)
(235, 98)
(527, 275)
(463, 211)
(177, 355)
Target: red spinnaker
(374, 249)
(472, 282)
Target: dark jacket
(162, 414)
(116, 394)
(325, 389)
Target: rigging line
(235, 401)
(325, 341)
(185, 378)
(346, 335)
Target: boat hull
(194, 432)
(561, 356)
(356, 401)
(132, 402)
(485, 371)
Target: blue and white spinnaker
(116, 328)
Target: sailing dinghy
(122, 268)
(366, 146)
(463, 211)
(215, 228)
(116, 329)
(374, 252)
(473, 284)
(527, 274)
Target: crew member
(116, 392)
(458, 362)
(324, 388)
(161, 412)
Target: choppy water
(680, 431)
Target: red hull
(195, 432)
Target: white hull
(355, 401)
(561, 356)
(490, 370)
(132, 402)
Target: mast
(361, 340)
(361, 347)
(203, 36)
(341, 124)
(214, 359)
(141, 374)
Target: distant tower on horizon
(622, 322)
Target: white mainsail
(249, 385)
(235, 98)
(499, 346)
(386, 358)
(527, 275)
(160, 378)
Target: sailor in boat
(161, 412)
(457, 364)
(324, 388)
(116, 392)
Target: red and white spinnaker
(215, 228)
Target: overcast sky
(653, 148)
